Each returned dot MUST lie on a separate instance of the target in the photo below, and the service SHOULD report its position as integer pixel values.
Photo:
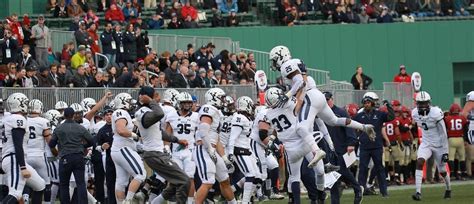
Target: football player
(211, 166)
(168, 105)
(238, 148)
(60, 106)
(314, 101)
(468, 112)
(228, 111)
(127, 161)
(183, 125)
(54, 117)
(393, 152)
(148, 122)
(17, 171)
(409, 152)
(456, 126)
(39, 136)
(435, 141)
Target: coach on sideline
(372, 148)
(344, 140)
(70, 137)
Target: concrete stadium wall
(430, 48)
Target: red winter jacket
(402, 78)
(114, 15)
(189, 10)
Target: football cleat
(416, 196)
(447, 194)
(318, 155)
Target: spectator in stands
(79, 79)
(53, 76)
(51, 5)
(221, 58)
(149, 4)
(114, 14)
(217, 20)
(129, 80)
(25, 59)
(301, 9)
(199, 80)
(447, 7)
(140, 24)
(189, 10)
(15, 28)
(40, 32)
(91, 17)
(74, 26)
(119, 37)
(60, 11)
(189, 23)
(137, 6)
(109, 47)
(352, 16)
(385, 16)
(121, 4)
(142, 43)
(210, 79)
(74, 9)
(402, 8)
(340, 16)
(89, 59)
(243, 6)
(364, 18)
(113, 76)
(328, 8)
(460, 8)
(94, 38)
(43, 79)
(11, 76)
(130, 12)
(30, 80)
(103, 5)
(162, 83)
(180, 80)
(177, 56)
(359, 80)
(403, 76)
(171, 71)
(232, 20)
(83, 4)
(156, 22)
(82, 36)
(52, 58)
(9, 48)
(228, 5)
(67, 52)
(18, 80)
(175, 23)
(79, 58)
(130, 44)
(97, 81)
(219, 78)
(62, 75)
(163, 10)
(176, 8)
(248, 71)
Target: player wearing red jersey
(456, 126)
(393, 152)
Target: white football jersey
(151, 136)
(244, 126)
(261, 116)
(470, 97)
(166, 110)
(2, 128)
(283, 121)
(225, 126)
(96, 127)
(86, 124)
(11, 122)
(36, 142)
(215, 114)
(119, 141)
(184, 127)
(428, 124)
(290, 66)
(46, 146)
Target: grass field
(462, 193)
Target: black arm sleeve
(54, 140)
(150, 118)
(391, 113)
(169, 138)
(17, 136)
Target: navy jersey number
(282, 119)
(32, 132)
(184, 128)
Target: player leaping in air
(314, 102)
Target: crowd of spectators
(132, 63)
(181, 14)
(291, 12)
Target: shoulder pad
(18, 121)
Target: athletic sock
(158, 200)
(447, 181)
(54, 192)
(130, 195)
(248, 190)
(233, 201)
(190, 200)
(295, 190)
(320, 182)
(418, 180)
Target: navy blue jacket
(376, 118)
(341, 136)
(106, 39)
(105, 135)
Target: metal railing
(159, 42)
(399, 91)
(263, 63)
(49, 96)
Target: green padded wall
(430, 48)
